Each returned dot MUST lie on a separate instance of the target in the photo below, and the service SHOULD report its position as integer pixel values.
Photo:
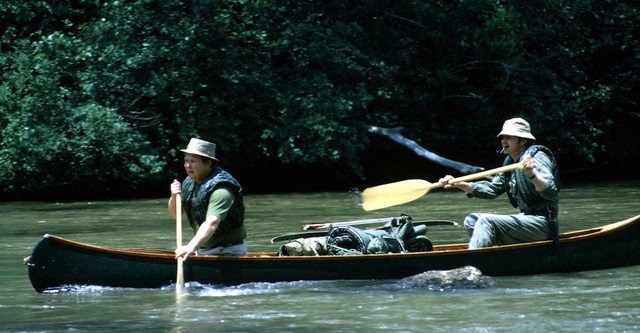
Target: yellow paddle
(180, 270)
(397, 193)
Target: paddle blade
(393, 194)
(180, 275)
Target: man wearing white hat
(533, 190)
(212, 200)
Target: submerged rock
(467, 277)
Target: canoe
(57, 262)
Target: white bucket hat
(517, 127)
(201, 148)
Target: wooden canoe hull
(57, 262)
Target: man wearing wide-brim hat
(533, 190)
(213, 202)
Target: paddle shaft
(309, 234)
(325, 225)
(486, 173)
(180, 270)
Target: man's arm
(219, 204)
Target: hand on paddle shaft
(175, 208)
(176, 190)
(527, 165)
(445, 181)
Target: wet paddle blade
(393, 194)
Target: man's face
(196, 169)
(512, 144)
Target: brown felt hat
(201, 148)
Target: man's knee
(470, 220)
(483, 234)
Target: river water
(593, 301)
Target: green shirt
(220, 202)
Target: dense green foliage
(97, 95)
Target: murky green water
(606, 300)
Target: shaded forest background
(97, 97)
